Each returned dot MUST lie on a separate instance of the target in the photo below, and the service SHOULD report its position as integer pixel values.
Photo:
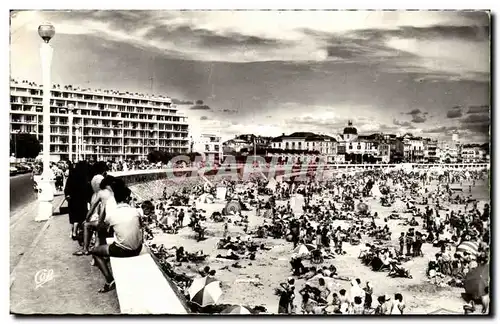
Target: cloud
(418, 119)
(478, 109)
(200, 107)
(439, 44)
(456, 112)
(318, 122)
(414, 112)
(405, 124)
(476, 123)
(417, 116)
(229, 111)
(181, 102)
(440, 130)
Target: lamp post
(151, 134)
(84, 146)
(16, 133)
(78, 149)
(46, 192)
(143, 137)
(158, 132)
(122, 144)
(71, 107)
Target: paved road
(21, 191)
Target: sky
(274, 72)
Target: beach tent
(272, 184)
(221, 193)
(304, 249)
(376, 191)
(470, 247)
(206, 198)
(297, 202)
(399, 206)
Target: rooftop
(91, 91)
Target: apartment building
(210, 145)
(114, 125)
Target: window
(216, 147)
(207, 147)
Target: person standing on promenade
(95, 210)
(78, 194)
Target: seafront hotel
(107, 124)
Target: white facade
(448, 152)
(115, 125)
(357, 146)
(236, 145)
(473, 155)
(326, 146)
(209, 145)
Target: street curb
(33, 244)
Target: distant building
(358, 148)
(305, 143)
(413, 148)
(210, 145)
(246, 143)
(473, 154)
(448, 152)
(384, 152)
(431, 151)
(234, 145)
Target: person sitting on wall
(126, 224)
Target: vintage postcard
(250, 162)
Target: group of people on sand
(321, 298)
(111, 209)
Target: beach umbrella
(470, 247)
(304, 249)
(233, 207)
(363, 207)
(236, 310)
(477, 280)
(205, 291)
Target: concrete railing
(141, 176)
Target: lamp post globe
(46, 31)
